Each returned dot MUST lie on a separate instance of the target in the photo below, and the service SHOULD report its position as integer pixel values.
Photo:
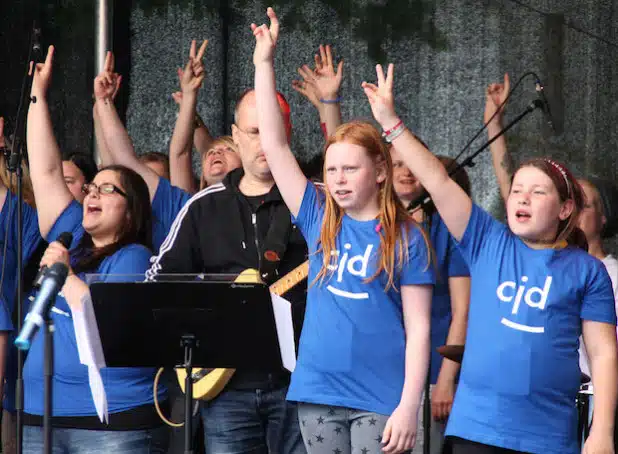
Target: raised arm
(450, 200)
(202, 139)
(105, 91)
(50, 191)
(501, 158)
(285, 170)
(115, 134)
(191, 78)
(321, 87)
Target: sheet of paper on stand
(285, 331)
(91, 353)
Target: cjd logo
(535, 297)
(355, 265)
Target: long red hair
(394, 221)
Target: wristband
(331, 101)
(386, 132)
(394, 132)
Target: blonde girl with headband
(364, 346)
(532, 296)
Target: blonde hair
(394, 221)
(9, 180)
(226, 141)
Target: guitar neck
(290, 279)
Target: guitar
(208, 383)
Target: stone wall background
(439, 90)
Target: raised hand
(380, 98)
(307, 88)
(107, 83)
(43, 74)
(323, 82)
(192, 76)
(495, 96)
(326, 79)
(265, 38)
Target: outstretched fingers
(274, 24)
(202, 51)
(108, 66)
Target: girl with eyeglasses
(112, 235)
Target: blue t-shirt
(520, 373)
(31, 240)
(449, 263)
(166, 204)
(352, 346)
(126, 388)
(8, 232)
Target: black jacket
(218, 231)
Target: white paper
(285, 331)
(91, 353)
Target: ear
(566, 209)
(603, 220)
(235, 133)
(381, 171)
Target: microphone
(540, 90)
(65, 238)
(53, 281)
(423, 199)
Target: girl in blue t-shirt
(364, 346)
(532, 295)
(111, 236)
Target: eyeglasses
(104, 188)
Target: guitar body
(208, 383)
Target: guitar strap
(276, 242)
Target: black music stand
(209, 324)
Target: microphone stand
(469, 161)
(48, 372)
(14, 165)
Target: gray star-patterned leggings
(339, 430)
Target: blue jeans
(81, 441)
(252, 421)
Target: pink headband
(560, 169)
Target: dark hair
(84, 162)
(137, 228)
(156, 156)
(568, 188)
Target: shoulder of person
(134, 250)
(610, 262)
(208, 195)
